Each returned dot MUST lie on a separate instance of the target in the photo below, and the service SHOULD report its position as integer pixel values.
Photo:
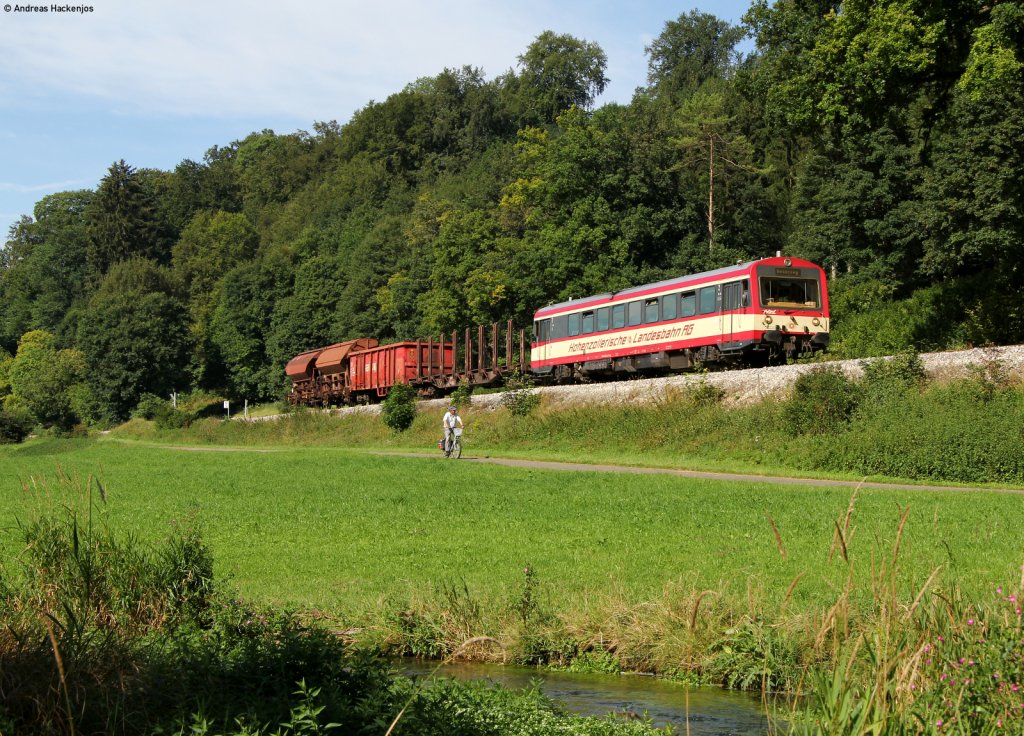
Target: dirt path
(746, 478)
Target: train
(759, 313)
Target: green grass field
(343, 530)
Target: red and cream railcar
(755, 313)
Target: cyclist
(450, 421)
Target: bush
(15, 425)
(822, 402)
(191, 407)
(519, 398)
(463, 395)
(703, 394)
(399, 408)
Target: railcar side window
(633, 313)
(706, 300)
(602, 318)
(689, 305)
(574, 324)
(618, 316)
(559, 327)
(652, 312)
(669, 306)
(588, 323)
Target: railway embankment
(742, 387)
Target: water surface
(698, 711)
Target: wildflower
(1012, 598)
(970, 622)
(999, 590)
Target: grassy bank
(100, 634)
(667, 574)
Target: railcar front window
(790, 293)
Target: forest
(882, 139)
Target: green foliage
(691, 50)
(822, 402)
(752, 656)
(399, 408)
(964, 432)
(462, 396)
(122, 223)
(703, 394)
(519, 397)
(558, 72)
(15, 425)
(134, 336)
(42, 379)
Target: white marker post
(227, 408)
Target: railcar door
(732, 296)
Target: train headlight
(767, 320)
(815, 321)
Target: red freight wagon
(319, 376)
(301, 370)
(372, 372)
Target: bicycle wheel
(457, 449)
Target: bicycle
(453, 447)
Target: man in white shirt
(450, 421)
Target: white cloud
(57, 186)
(313, 60)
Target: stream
(697, 711)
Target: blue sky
(158, 81)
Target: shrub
(463, 395)
(704, 394)
(15, 425)
(822, 402)
(519, 398)
(399, 408)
